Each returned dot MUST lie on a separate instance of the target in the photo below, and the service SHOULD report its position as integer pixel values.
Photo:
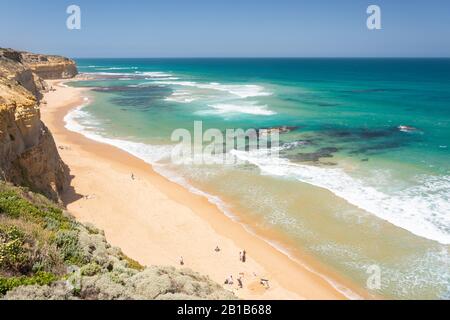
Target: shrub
(90, 269)
(68, 245)
(40, 278)
(132, 264)
(13, 255)
(16, 206)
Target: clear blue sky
(228, 28)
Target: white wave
(182, 96)
(152, 154)
(293, 145)
(149, 75)
(421, 209)
(246, 108)
(117, 68)
(122, 74)
(149, 153)
(242, 91)
(155, 74)
(162, 78)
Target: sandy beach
(155, 221)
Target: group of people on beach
(230, 279)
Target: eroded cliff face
(12, 68)
(50, 67)
(28, 154)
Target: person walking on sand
(240, 285)
(181, 261)
(217, 249)
(244, 256)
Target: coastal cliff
(50, 67)
(44, 253)
(28, 154)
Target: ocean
(363, 177)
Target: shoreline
(102, 185)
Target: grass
(37, 240)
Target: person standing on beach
(240, 283)
(181, 261)
(244, 256)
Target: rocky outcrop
(50, 67)
(28, 154)
(29, 69)
(13, 69)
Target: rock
(28, 154)
(279, 130)
(50, 67)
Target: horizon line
(270, 57)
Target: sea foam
(242, 91)
(153, 154)
(421, 209)
(247, 108)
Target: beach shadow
(70, 195)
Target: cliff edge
(28, 154)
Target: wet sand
(156, 221)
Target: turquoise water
(370, 137)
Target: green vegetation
(36, 239)
(45, 254)
(40, 278)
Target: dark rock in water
(329, 163)
(379, 147)
(328, 150)
(361, 133)
(313, 101)
(374, 90)
(314, 156)
(327, 104)
(137, 97)
(280, 130)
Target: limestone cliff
(28, 154)
(50, 67)
(12, 68)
